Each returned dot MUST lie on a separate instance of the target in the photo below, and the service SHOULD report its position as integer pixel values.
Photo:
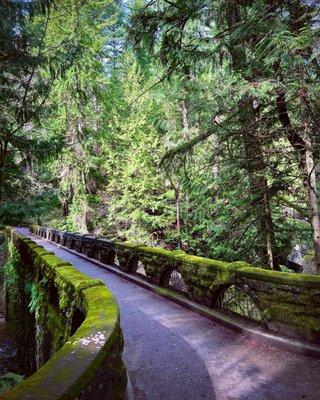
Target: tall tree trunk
(186, 137)
(65, 207)
(253, 148)
(310, 185)
(303, 147)
(185, 120)
(3, 162)
(178, 218)
(310, 180)
(259, 190)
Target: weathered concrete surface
(172, 353)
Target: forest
(189, 125)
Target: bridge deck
(172, 353)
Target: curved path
(174, 354)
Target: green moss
(49, 265)
(205, 278)
(102, 310)
(293, 315)
(39, 251)
(8, 381)
(68, 377)
(309, 257)
(199, 261)
(126, 245)
(285, 278)
(157, 251)
(127, 256)
(224, 270)
(169, 294)
(56, 325)
(72, 366)
(69, 276)
(12, 283)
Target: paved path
(174, 354)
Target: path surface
(174, 354)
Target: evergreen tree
(246, 40)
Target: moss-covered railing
(66, 326)
(284, 303)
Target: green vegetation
(12, 282)
(187, 125)
(8, 381)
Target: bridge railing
(67, 329)
(284, 303)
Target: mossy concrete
(165, 343)
(289, 303)
(80, 360)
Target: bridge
(173, 353)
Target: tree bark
(253, 148)
(310, 185)
(185, 120)
(178, 219)
(260, 191)
(303, 147)
(3, 162)
(299, 17)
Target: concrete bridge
(172, 353)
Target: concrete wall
(288, 303)
(67, 328)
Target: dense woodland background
(183, 124)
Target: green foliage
(36, 294)
(25, 86)
(238, 163)
(131, 150)
(175, 137)
(8, 381)
(11, 273)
